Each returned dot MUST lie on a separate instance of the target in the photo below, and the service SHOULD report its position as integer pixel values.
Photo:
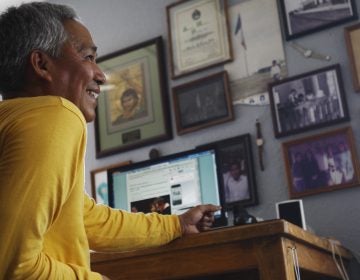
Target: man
(49, 81)
(235, 184)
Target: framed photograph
(202, 103)
(235, 166)
(198, 35)
(308, 101)
(133, 107)
(352, 39)
(99, 182)
(321, 163)
(303, 17)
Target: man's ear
(40, 62)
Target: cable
(340, 267)
(295, 262)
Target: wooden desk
(258, 251)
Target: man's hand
(105, 278)
(199, 218)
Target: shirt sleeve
(115, 230)
(35, 180)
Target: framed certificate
(198, 35)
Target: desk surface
(262, 246)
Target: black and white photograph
(236, 170)
(258, 59)
(321, 163)
(302, 17)
(202, 103)
(308, 101)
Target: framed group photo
(202, 103)
(308, 101)
(99, 182)
(352, 39)
(303, 17)
(321, 163)
(198, 35)
(235, 166)
(133, 107)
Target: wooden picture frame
(202, 103)
(99, 182)
(321, 163)
(198, 32)
(133, 107)
(308, 101)
(234, 158)
(352, 39)
(300, 18)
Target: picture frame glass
(235, 170)
(321, 163)
(133, 106)
(308, 101)
(199, 35)
(305, 17)
(202, 103)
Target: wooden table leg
(275, 260)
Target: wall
(119, 24)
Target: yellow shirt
(47, 223)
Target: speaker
(291, 211)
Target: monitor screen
(169, 185)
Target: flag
(239, 29)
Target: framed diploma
(198, 35)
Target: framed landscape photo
(198, 33)
(202, 103)
(303, 17)
(235, 166)
(321, 163)
(99, 182)
(352, 39)
(308, 101)
(133, 107)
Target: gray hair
(31, 26)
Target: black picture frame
(300, 18)
(321, 163)
(308, 101)
(229, 152)
(139, 68)
(202, 103)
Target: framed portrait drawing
(202, 103)
(235, 169)
(133, 107)
(300, 18)
(352, 39)
(99, 182)
(321, 163)
(308, 101)
(198, 33)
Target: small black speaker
(291, 211)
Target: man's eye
(90, 57)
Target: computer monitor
(168, 184)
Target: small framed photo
(301, 18)
(308, 101)
(202, 103)
(99, 182)
(235, 166)
(198, 35)
(133, 107)
(352, 39)
(321, 163)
